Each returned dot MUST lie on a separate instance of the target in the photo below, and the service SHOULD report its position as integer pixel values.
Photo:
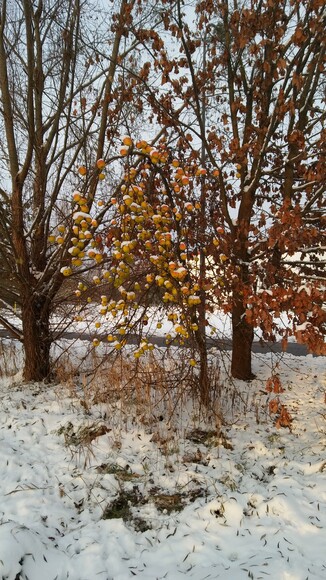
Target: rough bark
(204, 386)
(242, 339)
(242, 331)
(37, 337)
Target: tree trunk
(242, 339)
(37, 338)
(204, 386)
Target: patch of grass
(228, 482)
(84, 435)
(210, 438)
(121, 507)
(121, 473)
(168, 503)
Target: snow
(192, 507)
(80, 215)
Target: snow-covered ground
(118, 490)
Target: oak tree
(242, 93)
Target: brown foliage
(273, 385)
(284, 419)
(265, 151)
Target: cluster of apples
(150, 229)
(155, 155)
(83, 230)
(100, 165)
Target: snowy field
(115, 490)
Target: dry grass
(10, 358)
(159, 387)
(158, 393)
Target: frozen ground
(116, 491)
